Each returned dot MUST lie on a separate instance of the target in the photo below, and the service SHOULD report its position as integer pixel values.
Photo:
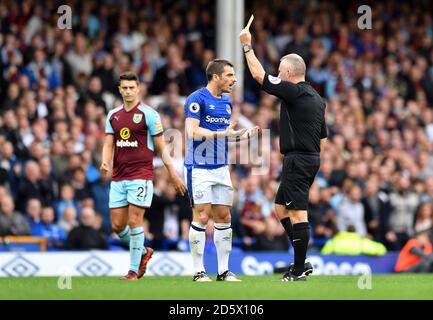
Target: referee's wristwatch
(246, 47)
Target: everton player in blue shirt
(208, 125)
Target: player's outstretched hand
(253, 132)
(178, 184)
(232, 133)
(105, 168)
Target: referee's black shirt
(302, 115)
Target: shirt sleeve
(192, 107)
(108, 127)
(153, 121)
(323, 131)
(282, 89)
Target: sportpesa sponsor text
(216, 120)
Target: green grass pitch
(393, 286)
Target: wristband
(246, 47)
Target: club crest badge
(137, 117)
(229, 110)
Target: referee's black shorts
(299, 170)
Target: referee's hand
(245, 37)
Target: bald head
(292, 67)
(88, 217)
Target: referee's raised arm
(254, 64)
(292, 69)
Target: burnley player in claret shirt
(133, 131)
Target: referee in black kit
(302, 136)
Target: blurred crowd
(56, 86)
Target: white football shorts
(209, 186)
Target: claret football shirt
(133, 143)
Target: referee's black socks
(301, 237)
(287, 224)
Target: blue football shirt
(214, 114)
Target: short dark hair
(216, 67)
(130, 76)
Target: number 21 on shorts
(141, 192)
